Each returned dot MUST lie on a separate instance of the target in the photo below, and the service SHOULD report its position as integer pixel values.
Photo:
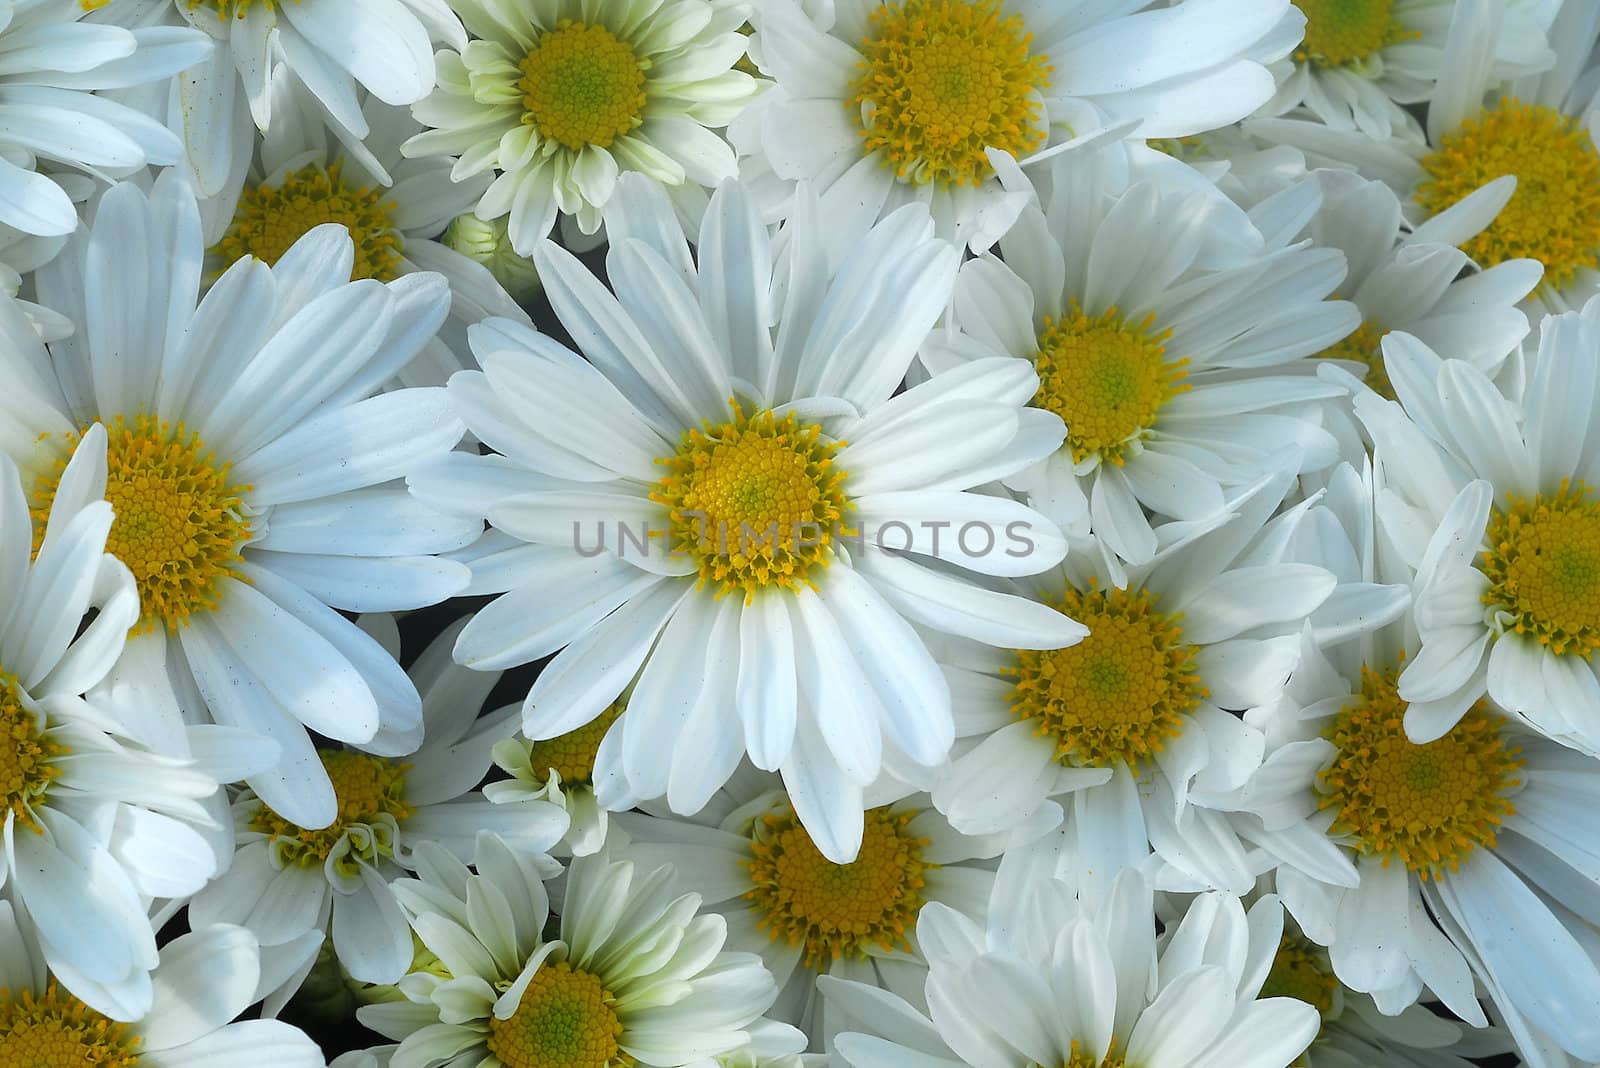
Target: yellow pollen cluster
(59, 1031)
(178, 524)
(234, 8)
(269, 219)
(941, 81)
(1116, 696)
(367, 787)
(1363, 347)
(837, 909)
(1342, 33)
(26, 756)
(572, 754)
(1106, 378)
(756, 500)
(1301, 971)
(565, 1019)
(1554, 215)
(582, 86)
(1076, 1058)
(1543, 565)
(1428, 805)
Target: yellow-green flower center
(59, 1031)
(566, 1019)
(225, 8)
(1118, 695)
(1363, 346)
(1106, 378)
(837, 909)
(582, 85)
(27, 758)
(571, 755)
(1300, 970)
(941, 81)
(1342, 33)
(1076, 1058)
(179, 523)
(1427, 805)
(756, 500)
(269, 219)
(1543, 564)
(1554, 215)
(371, 799)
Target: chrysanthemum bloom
(202, 982)
(1056, 981)
(1169, 334)
(732, 473)
(559, 98)
(635, 976)
(882, 102)
(54, 55)
(253, 473)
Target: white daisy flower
(1168, 333)
(201, 983)
(750, 859)
(560, 97)
(717, 409)
(634, 976)
(1137, 722)
(1085, 984)
(286, 880)
(54, 56)
(1361, 63)
(253, 473)
(879, 103)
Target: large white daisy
(883, 102)
(252, 470)
(560, 97)
(713, 414)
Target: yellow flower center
(581, 86)
(565, 1019)
(269, 219)
(941, 81)
(1106, 378)
(837, 909)
(1342, 33)
(1429, 805)
(178, 524)
(1116, 696)
(26, 758)
(1076, 1058)
(572, 754)
(1301, 971)
(59, 1031)
(1363, 347)
(1554, 215)
(227, 8)
(757, 500)
(1543, 564)
(371, 798)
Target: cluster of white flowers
(971, 533)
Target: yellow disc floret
(27, 757)
(1106, 378)
(1543, 565)
(582, 85)
(1118, 695)
(1076, 1058)
(235, 8)
(837, 909)
(1363, 346)
(571, 755)
(269, 219)
(1343, 33)
(1427, 805)
(179, 523)
(942, 80)
(1554, 215)
(566, 1019)
(371, 799)
(757, 501)
(57, 1030)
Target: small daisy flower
(879, 103)
(1052, 980)
(635, 974)
(1168, 334)
(714, 411)
(202, 982)
(559, 98)
(253, 472)
(54, 56)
